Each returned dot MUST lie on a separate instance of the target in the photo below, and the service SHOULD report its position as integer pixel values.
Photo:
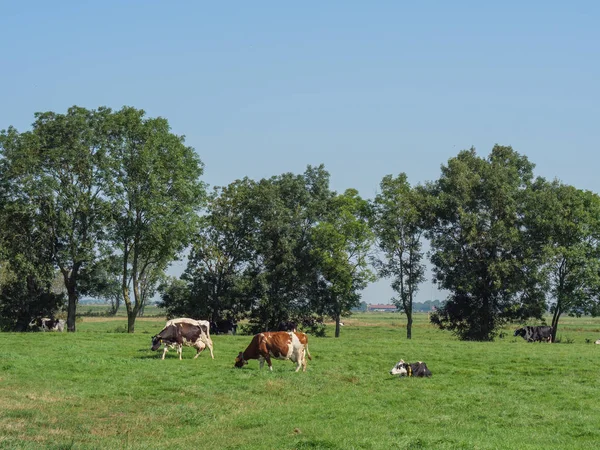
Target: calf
(418, 369)
(204, 326)
(179, 334)
(535, 334)
(276, 344)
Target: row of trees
(506, 245)
(108, 199)
(283, 248)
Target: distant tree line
(105, 200)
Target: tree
(397, 225)
(155, 199)
(220, 252)
(280, 272)
(475, 223)
(60, 167)
(564, 224)
(341, 247)
(26, 268)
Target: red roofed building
(382, 308)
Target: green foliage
(398, 225)
(564, 225)
(342, 243)
(102, 280)
(60, 168)
(155, 197)
(475, 222)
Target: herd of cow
(288, 344)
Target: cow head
(240, 361)
(401, 368)
(520, 332)
(156, 341)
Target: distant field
(98, 309)
(102, 388)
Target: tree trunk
(72, 306)
(409, 323)
(131, 315)
(555, 318)
(337, 325)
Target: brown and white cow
(177, 335)
(203, 324)
(276, 344)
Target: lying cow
(177, 335)
(203, 324)
(46, 324)
(418, 369)
(535, 334)
(276, 344)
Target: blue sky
(367, 88)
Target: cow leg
(209, 344)
(180, 351)
(300, 361)
(165, 351)
(199, 347)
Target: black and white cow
(204, 325)
(535, 334)
(177, 335)
(404, 369)
(46, 324)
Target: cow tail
(307, 352)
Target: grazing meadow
(103, 388)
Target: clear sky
(366, 88)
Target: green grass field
(102, 388)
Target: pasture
(102, 388)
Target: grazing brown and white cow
(276, 344)
(203, 324)
(46, 324)
(177, 335)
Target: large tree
(475, 226)
(220, 252)
(60, 167)
(286, 209)
(342, 244)
(156, 196)
(398, 227)
(564, 225)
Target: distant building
(382, 308)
